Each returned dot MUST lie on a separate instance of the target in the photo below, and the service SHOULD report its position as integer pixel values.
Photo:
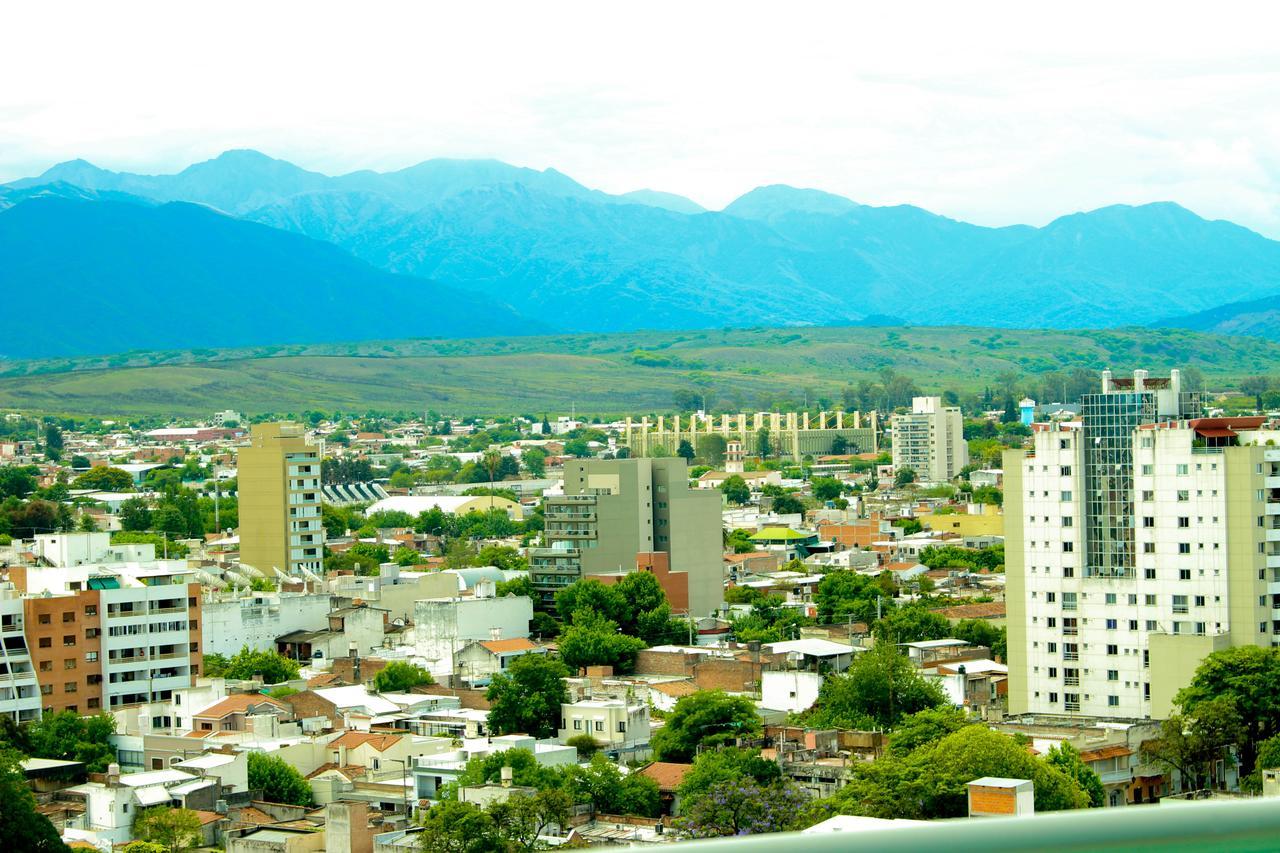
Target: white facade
(442, 626)
(614, 723)
(257, 620)
(19, 691)
(789, 690)
(146, 640)
(1120, 641)
(930, 440)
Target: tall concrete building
(930, 440)
(1139, 539)
(278, 481)
(102, 626)
(613, 510)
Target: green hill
(626, 372)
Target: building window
(1111, 624)
(577, 725)
(69, 616)
(44, 618)
(1184, 521)
(1068, 547)
(1113, 649)
(1199, 601)
(91, 610)
(1068, 521)
(1113, 675)
(622, 727)
(1148, 547)
(69, 663)
(1184, 547)
(1184, 574)
(1148, 521)
(45, 642)
(1179, 604)
(1113, 701)
(1149, 574)
(1066, 497)
(599, 725)
(1110, 598)
(1184, 495)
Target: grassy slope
(597, 373)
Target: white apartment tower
(1139, 539)
(930, 440)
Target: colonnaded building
(794, 434)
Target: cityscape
(357, 502)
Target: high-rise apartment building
(613, 510)
(278, 482)
(19, 690)
(104, 626)
(1139, 539)
(930, 440)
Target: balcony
(1071, 656)
(1071, 681)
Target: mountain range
(500, 249)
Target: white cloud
(992, 112)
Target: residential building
(620, 724)
(415, 505)
(278, 477)
(613, 510)
(104, 635)
(444, 626)
(232, 622)
(19, 690)
(1141, 538)
(480, 660)
(930, 440)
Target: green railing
(1170, 827)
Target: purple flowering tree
(742, 806)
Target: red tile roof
(499, 647)
(1104, 752)
(238, 703)
(351, 740)
(667, 774)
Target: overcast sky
(990, 112)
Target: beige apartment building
(930, 440)
(615, 509)
(1139, 539)
(278, 477)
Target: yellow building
(989, 523)
(278, 478)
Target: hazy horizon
(999, 115)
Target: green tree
(826, 488)
(17, 481)
(705, 718)
(712, 448)
(844, 595)
(910, 624)
(270, 664)
(521, 821)
(602, 784)
(1066, 758)
(526, 699)
(878, 690)
(925, 727)
(401, 677)
(520, 586)
(1250, 677)
(175, 830)
(685, 451)
(143, 847)
(406, 556)
(535, 461)
(980, 632)
(1190, 743)
(735, 490)
(22, 827)
(104, 478)
(525, 770)
(788, 504)
(577, 447)
(455, 827)
(593, 640)
(586, 745)
(739, 541)
(278, 780)
(215, 665)
(764, 444)
(66, 736)
(904, 477)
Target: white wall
(443, 626)
(790, 691)
(256, 622)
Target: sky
(990, 112)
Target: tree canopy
(401, 677)
(278, 780)
(878, 690)
(526, 699)
(705, 718)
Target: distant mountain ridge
(124, 275)
(578, 259)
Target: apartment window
(46, 689)
(1147, 442)
(1113, 675)
(1133, 598)
(94, 702)
(1184, 574)
(1112, 624)
(1068, 547)
(1050, 622)
(1151, 625)
(1147, 470)
(1052, 647)
(1068, 521)
(1199, 601)
(1133, 624)
(68, 639)
(46, 642)
(1051, 597)
(91, 657)
(1184, 521)
(1149, 574)
(1068, 601)
(1068, 571)
(69, 663)
(70, 687)
(1179, 604)
(1184, 547)
(577, 725)
(1180, 469)
(1113, 701)
(1184, 495)
(1066, 496)
(45, 618)
(1113, 649)
(1110, 598)
(91, 610)
(1064, 444)
(69, 616)
(1066, 470)
(1053, 672)
(599, 725)
(1148, 495)
(622, 727)
(1148, 547)
(1053, 698)
(46, 666)
(1148, 521)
